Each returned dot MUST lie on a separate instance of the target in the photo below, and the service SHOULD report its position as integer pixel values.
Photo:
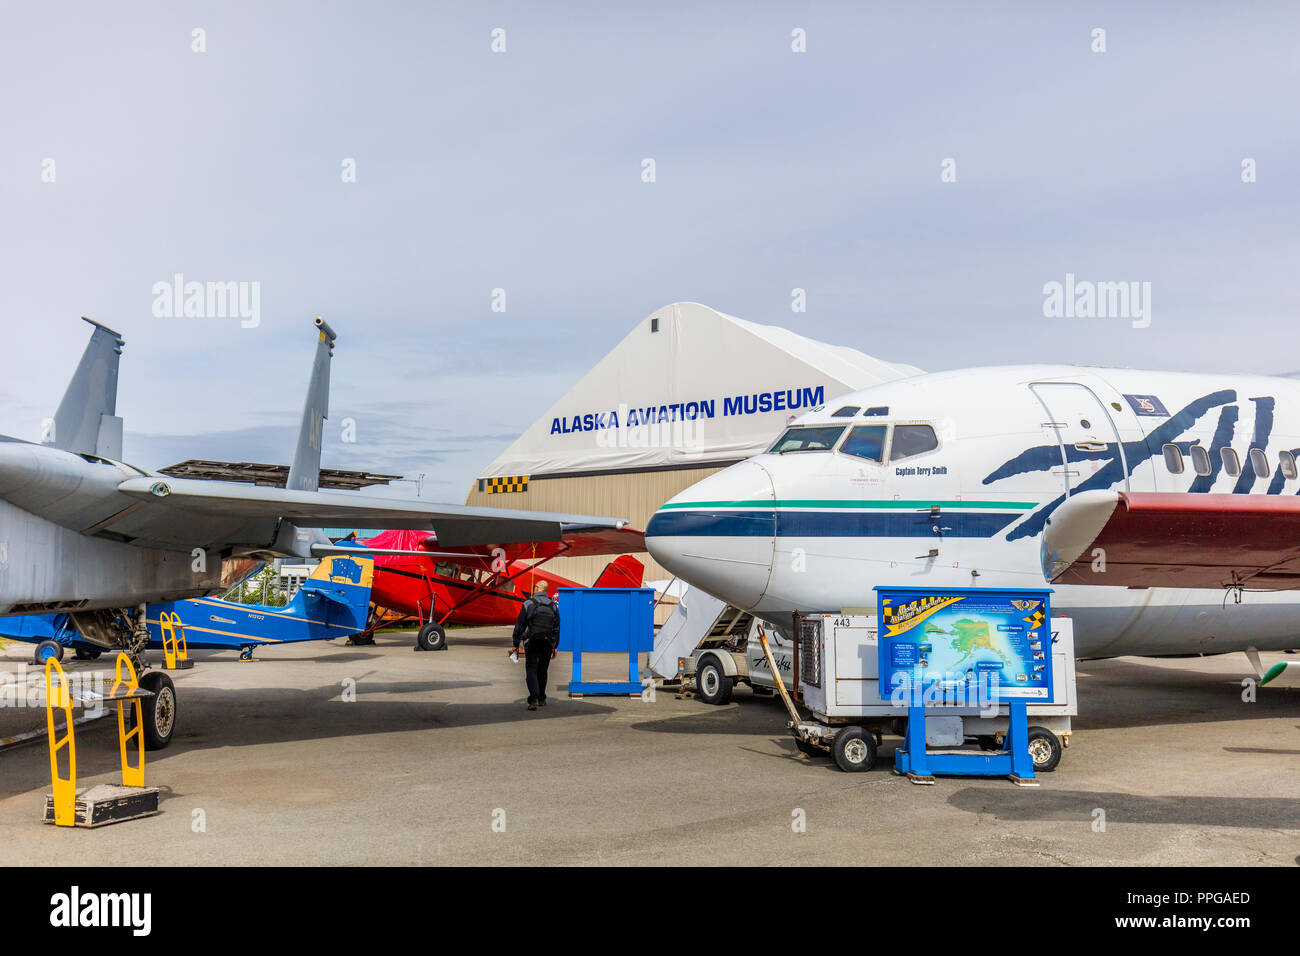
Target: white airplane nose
(719, 534)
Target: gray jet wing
(172, 510)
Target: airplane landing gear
(45, 650)
(125, 631)
(431, 637)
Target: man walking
(538, 627)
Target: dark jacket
(525, 619)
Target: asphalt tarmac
(327, 754)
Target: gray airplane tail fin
(304, 473)
(86, 422)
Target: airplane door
(1083, 429)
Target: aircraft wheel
(86, 654)
(47, 649)
(1045, 748)
(159, 710)
(431, 638)
(854, 749)
(712, 685)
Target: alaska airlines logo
(1119, 466)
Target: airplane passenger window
(1259, 461)
(1200, 460)
(1173, 459)
(848, 411)
(445, 569)
(910, 440)
(1231, 463)
(1287, 460)
(866, 441)
(808, 438)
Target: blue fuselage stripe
(826, 524)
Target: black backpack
(544, 618)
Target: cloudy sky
(128, 157)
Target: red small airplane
(482, 585)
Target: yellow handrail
(65, 788)
(131, 776)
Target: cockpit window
(848, 411)
(808, 438)
(866, 441)
(911, 440)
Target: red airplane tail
(624, 571)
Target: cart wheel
(712, 684)
(1045, 749)
(810, 749)
(47, 649)
(431, 638)
(854, 749)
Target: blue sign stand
(973, 615)
(920, 766)
(606, 620)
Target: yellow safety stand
(64, 798)
(131, 776)
(176, 652)
(95, 806)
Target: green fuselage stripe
(856, 505)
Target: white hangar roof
(688, 386)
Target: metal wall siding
(632, 496)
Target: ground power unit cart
(835, 678)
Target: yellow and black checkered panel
(510, 485)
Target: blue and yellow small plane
(333, 602)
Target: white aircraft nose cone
(719, 534)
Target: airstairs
(698, 617)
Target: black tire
(988, 743)
(159, 710)
(712, 685)
(812, 750)
(86, 654)
(1045, 749)
(854, 749)
(431, 637)
(45, 650)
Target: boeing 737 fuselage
(949, 479)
